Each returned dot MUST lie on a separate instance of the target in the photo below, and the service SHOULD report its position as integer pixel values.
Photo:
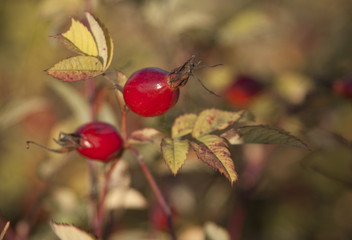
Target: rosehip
(151, 92)
(99, 141)
(148, 92)
(343, 87)
(95, 140)
(243, 91)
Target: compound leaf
(80, 38)
(183, 125)
(174, 153)
(103, 40)
(263, 134)
(213, 119)
(213, 150)
(70, 232)
(76, 68)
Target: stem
(159, 196)
(2, 235)
(100, 207)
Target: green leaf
(183, 125)
(103, 40)
(174, 153)
(264, 135)
(213, 119)
(76, 68)
(213, 150)
(70, 232)
(80, 38)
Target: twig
(2, 235)
(160, 198)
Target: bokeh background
(296, 50)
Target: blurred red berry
(243, 91)
(343, 87)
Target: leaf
(144, 135)
(183, 125)
(215, 232)
(213, 119)
(76, 68)
(264, 135)
(70, 232)
(80, 38)
(103, 40)
(213, 150)
(174, 152)
(120, 198)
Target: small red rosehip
(148, 92)
(343, 87)
(99, 141)
(95, 140)
(243, 91)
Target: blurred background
(287, 62)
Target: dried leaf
(70, 232)
(213, 119)
(183, 125)
(76, 68)
(103, 40)
(213, 150)
(215, 232)
(174, 153)
(120, 198)
(144, 135)
(263, 134)
(80, 38)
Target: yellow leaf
(76, 68)
(80, 37)
(102, 38)
(213, 119)
(183, 125)
(174, 153)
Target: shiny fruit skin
(243, 91)
(99, 141)
(148, 93)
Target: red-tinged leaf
(76, 68)
(213, 150)
(262, 134)
(70, 232)
(144, 135)
(210, 120)
(174, 153)
(183, 125)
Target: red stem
(100, 207)
(159, 196)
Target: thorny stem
(159, 196)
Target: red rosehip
(243, 91)
(343, 87)
(99, 141)
(148, 92)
